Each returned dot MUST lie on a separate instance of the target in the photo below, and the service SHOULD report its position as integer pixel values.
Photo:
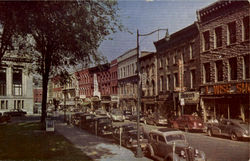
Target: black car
(86, 120)
(101, 125)
(134, 117)
(129, 136)
(16, 113)
(76, 118)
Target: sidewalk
(98, 148)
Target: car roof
(167, 131)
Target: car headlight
(183, 153)
(196, 152)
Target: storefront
(148, 104)
(189, 102)
(229, 100)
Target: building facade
(114, 84)
(225, 63)
(148, 65)
(178, 71)
(127, 80)
(16, 84)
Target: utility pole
(139, 153)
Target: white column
(9, 80)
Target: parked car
(100, 112)
(156, 119)
(134, 117)
(4, 117)
(102, 125)
(171, 145)
(188, 123)
(127, 114)
(129, 136)
(76, 119)
(86, 120)
(235, 129)
(117, 115)
(16, 113)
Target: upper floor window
(218, 37)
(175, 58)
(2, 82)
(191, 51)
(218, 71)
(176, 80)
(168, 82)
(192, 78)
(245, 28)
(246, 67)
(160, 63)
(232, 69)
(161, 83)
(206, 41)
(17, 82)
(206, 72)
(231, 33)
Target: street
(215, 148)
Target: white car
(117, 115)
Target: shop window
(191, 51)
(192, 79)
(231, 33)
(2, 82)
(246, 28)
(206, 42)
(176, 80)
(233, 69)
(246, 67)
(206, 73)
(219, 71)
(17, 82)
(218, 37)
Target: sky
(148, 16)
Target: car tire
(234, 137)
(209, 132)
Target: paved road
(216, 148)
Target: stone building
(178, 71)
(16, 84)
(148, 64)
(225, 62)
(127, 80)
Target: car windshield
(106, 120)
(117, 112)
(175, 137)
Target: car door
(223, 127)
(153, 138)
(161, 146)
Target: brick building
(224, 56)
(148, 64)
(114, 83)
(178, 71)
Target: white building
(16, 84)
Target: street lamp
(138, 149)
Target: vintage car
(127, 114)
(117, 115)
(100, 112)
(101, 125)
(76, 119)
(16, 113)
(188, 123)
(134, 117)
(128, 134)
(156, 119)
(4, 118)
(235, 129)
(171, 145)
(86, 120)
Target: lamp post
(139, 153)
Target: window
(206, 42)
(231, 33)
(17, 82)
(245, 28)
(161, 139)
(218, 37)
(246, 67)
(2, 82)
(218, 71)
(176, 80)
(168, 82)
(191, 51)
(192, 79)
(160, 63)
(161, 83)
(233, 69)
(206, 74)
(2, 104)
(167, 63)
(174, 58)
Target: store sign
(115, 98)
(189, 97)
(237, 88)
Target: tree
(65, 32)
